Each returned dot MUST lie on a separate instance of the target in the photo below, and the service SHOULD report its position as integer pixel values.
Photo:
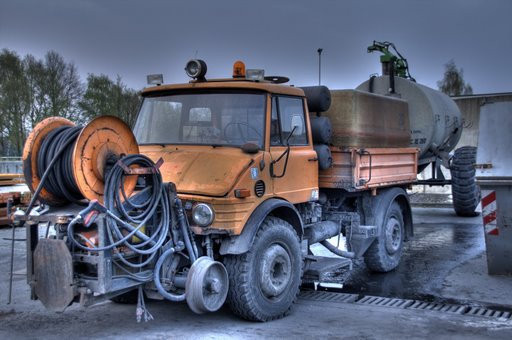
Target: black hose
(335, 250)
(156, 278)
(125, 218)
(55, 157)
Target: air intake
(259, 188)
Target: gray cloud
(134, 38)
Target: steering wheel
(241, 134)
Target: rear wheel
(465, 192)
(386, 251)
(264, 282)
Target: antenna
(320, 65)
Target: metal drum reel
(207, 285)
(105, 139)
(31, 152)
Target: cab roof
(225, 84)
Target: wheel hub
(275, 271)
(207, 285)
(393, 235)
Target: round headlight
(196, 69)
(202, 214)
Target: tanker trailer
(435, 125)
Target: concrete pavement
(463, 285)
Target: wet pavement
(433, 253)
(445, 261)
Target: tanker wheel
(386, 251)
(465, 192)
(264, 282)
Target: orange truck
(218, 195)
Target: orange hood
(202, 172)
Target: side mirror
(285, 153)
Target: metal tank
(435, 119)
(362, 119)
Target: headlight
(202, 214)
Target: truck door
(294, 167)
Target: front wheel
(386, 251)
(264, 282)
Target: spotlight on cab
(196, 69)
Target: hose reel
(101, 163)
(104, 139)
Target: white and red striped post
(489, 212)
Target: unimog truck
(218, 195)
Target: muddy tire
(465, 192)
(386, 251)
(264, 282)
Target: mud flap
(53, 272)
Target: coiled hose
(59, 145)
(126, 218)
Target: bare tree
(14, 103)
(32, 89)
(36, 79)
(63, 89)
(103, 96)
(453, 81)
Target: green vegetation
(453, 83)
(32, 89)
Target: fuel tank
(435, 120)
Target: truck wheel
(465, 192)
(385, 252)
(264, 282)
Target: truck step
(326, 269)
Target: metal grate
(386, 302)
(327, 296)
(406, 304)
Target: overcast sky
(133, 38)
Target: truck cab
(229, 145)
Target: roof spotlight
(196, 69)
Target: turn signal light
(242, 193)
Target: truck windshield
(230, 119)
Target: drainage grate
(327, 296)
(489, 313)
(406, 304)
(386, 302)
(439, 307)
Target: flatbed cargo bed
(358, 169)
